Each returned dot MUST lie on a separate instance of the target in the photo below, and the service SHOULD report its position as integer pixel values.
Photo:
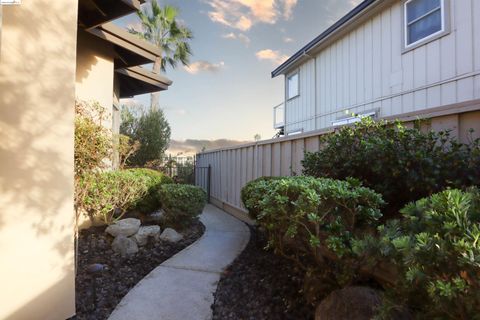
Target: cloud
(243, 14)
(238, 36)
(274, 56)
(193, 146)
(201, 65)
(287, 39)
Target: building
(387, 59)
(52, 53)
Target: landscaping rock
(170, 235)
(119, 274)
(124, 246)
(351, 303)
(141, 237)
(124, 227)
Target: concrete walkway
(182, 287)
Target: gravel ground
(96, 298)
(260, 286)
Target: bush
(402, 164)
(108, 195)
(93, 143)
(151, 130)
(253, 192)
(154, 180)
(316, 223)
(182, 203)
(436, 250)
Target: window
(424, 19)
(292, 86)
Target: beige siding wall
(95, 67)
(232, 168)
(37, 94)
(366, 69)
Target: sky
(227, 91)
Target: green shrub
(436, 249)
(93, 142)
(107, 195)
(253, 192)
(316, 223)
(402, 164)
(182, 203)
(154, 180)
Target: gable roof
(319, 39)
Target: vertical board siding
(232, 168)
(367, 69)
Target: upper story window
(292, 86)
(424, 19)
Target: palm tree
(160, 27)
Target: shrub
(107, 195)
(151, 130)
(154, 180)
(93, 143)
(253, 192)
(436, 250)
(315, 222)
(402, 164)
(182, 203)
(126, 147)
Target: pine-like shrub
(436, 250)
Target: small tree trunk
(155, 96)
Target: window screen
(423, 18)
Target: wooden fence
(232, 168)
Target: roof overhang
(92, 13)
(137, 80)
(130, 49)
(343, 25)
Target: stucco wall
(94, 80)
(37, 93)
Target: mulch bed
(260, 285)
(96, 298)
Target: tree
(151, 130)
(160, 27)
(257, 137)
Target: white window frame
(445, 14)
(296, 73)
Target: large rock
(170, 235)
(351, 303)
(124, 227)
(124, 246)
(141, 237)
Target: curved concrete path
(182, 287)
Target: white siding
(366, 69)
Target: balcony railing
(279, 116)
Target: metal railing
(279, 116)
